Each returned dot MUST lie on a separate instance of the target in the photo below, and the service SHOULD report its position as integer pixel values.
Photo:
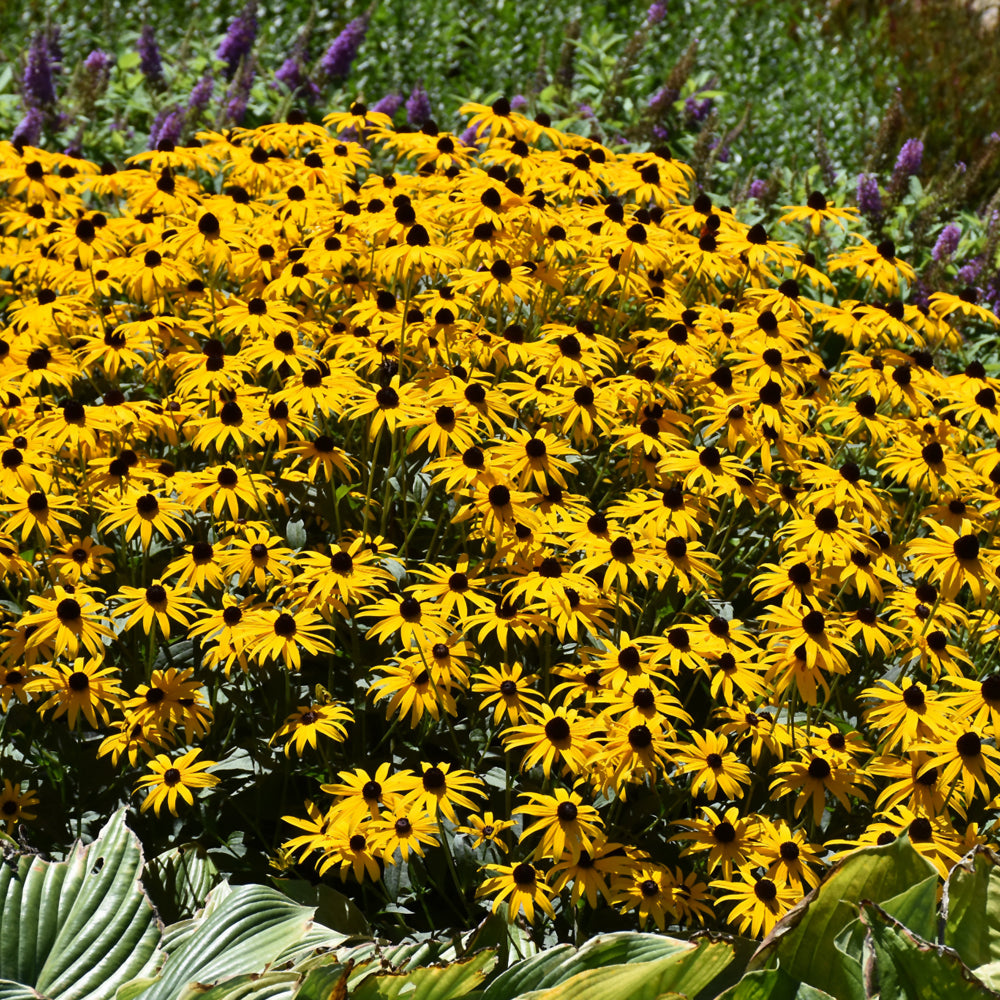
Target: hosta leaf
(915, 909)
(269, 986)
(78, 929)
(555, 965)
(687, 971)
(243, 934)
(971, 906)
(436, 982)
(906, 967)
(772, 984)
(179, 881)
(810, 929)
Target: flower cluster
(565, 496)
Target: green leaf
(333, 909)
(81, 927)
(971, 907)
(688, 971)
(915, 909)
(555, 965)
(436, 982)
(269, 986)
(243, 934)
(772, 984)
(901, 965)
(810, 929)
(179, 881)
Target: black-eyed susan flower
(950, 561)
(522, 887)
(173, 698)
(811, 776)
(567, 824)
(155, 607)
(84, 687)
(283, 634)
(173, 779)
(727, 837)
(486, 830)
(560, 735)
(647, 888)
(715, 768)
(508, 691)
(362, 794)
(758, 902)
(16, 805)
(68, 620)
(308, 722)
(138, 512)
(402, 831)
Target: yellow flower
(173, 779)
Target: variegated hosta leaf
(77, 929)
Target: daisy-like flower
(308, 722)
(759, 903)
(412, 622)
(728, 838)
(811, 776)
(522, 887)
(588, 870)
(284, 633)
(562, 735)
(156, 607)
(81, 559)
(353, 848)
(411, 690)
(509, 690)
(788, 857)
(48, 513)
(15, 805)
(171, 780)
(85, 686)
(404, 830)
(950, 561)
(486, 831)
(965, 761)
(818, 210)
(566, 823)
(68, 620)
(442, 788)
(134, 737)
(648, 888)
(904, 715)
(173, 698)
(714, 766)
(362, 794)
(139, 512)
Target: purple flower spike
(149, 56)
(97, 65)
(29, 129)
(418, 107)
(239, 39)
(869, 196)
(947, 243)
(909, 159)
(757, 189)
(36, 85)
(969, 274)
(201, 95)
(336, 63)
(388, 105)
(656, 13)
